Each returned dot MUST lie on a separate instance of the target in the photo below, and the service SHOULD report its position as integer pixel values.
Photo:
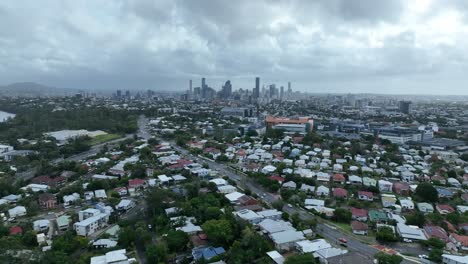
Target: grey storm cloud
(321, 46)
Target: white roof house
(410, 232)
(314, 202)
(234, 196)
(116, 256)
(284, 240)
(35, 187)
(307, 246)
(226, 188)
(68, 199)
(164, 179)
(249, 215)
(100, 194)
(41, 225)
(219, 181)
(274, 226)
(276, 257)
(268, 169)
(17, 211)
(322, 190)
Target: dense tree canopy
(426, 192)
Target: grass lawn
(103, 138)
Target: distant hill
(30, 89)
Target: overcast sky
(417, 46)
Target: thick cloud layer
(392, 46)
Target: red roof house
(15, 230)
(359, 214)
(340, 193)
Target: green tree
(29, 239)
(176, 240)
(426, 192)
(156, 253)
(219, 231)
(385, 234)
(300, 259)
(342, 215)
(416, 218)
(384, 258)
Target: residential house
(307, 188)
(359, 214)
(125, 205)
(323, 176)
(385, 186)
(436, 232)
(207, 253)
(113, 257)
(340, 193)
(289, 185)
(49, 181)
(269, 226)
(407, 176)
(460, 241)
(410, 232)
(355, 180)
(272, 214)
(425, 208)
(365, 196)
(454, 259)
(359, 228)
(378, 216)
(285, 240)
(307, 246)
(322, 191)
(17, 211)
(47, 200)
(91, 220)
(388, 200)
(401, 188)
(366, 181)
(406, 204)
(339, 178)
(444, 209)
(70, 199)
(63, 222)
(249, 216)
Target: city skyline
(391, 47)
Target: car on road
(290, 206)
(343, 241)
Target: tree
(219, 231)
(436, 255)
(384, 258)
(342, 215)
(417, 218)
(156, 253)
(300, 259)
(126, 237)
(385, 234)
(29, 239)
(426, 192)
(176, 240)
(435, 243)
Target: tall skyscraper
(203, 83)
(281, 92)
(289, 87)
(119, 93)
(405, 107)
(227, 89)
(256, 91)
(190, 87)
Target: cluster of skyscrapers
(269, 92)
